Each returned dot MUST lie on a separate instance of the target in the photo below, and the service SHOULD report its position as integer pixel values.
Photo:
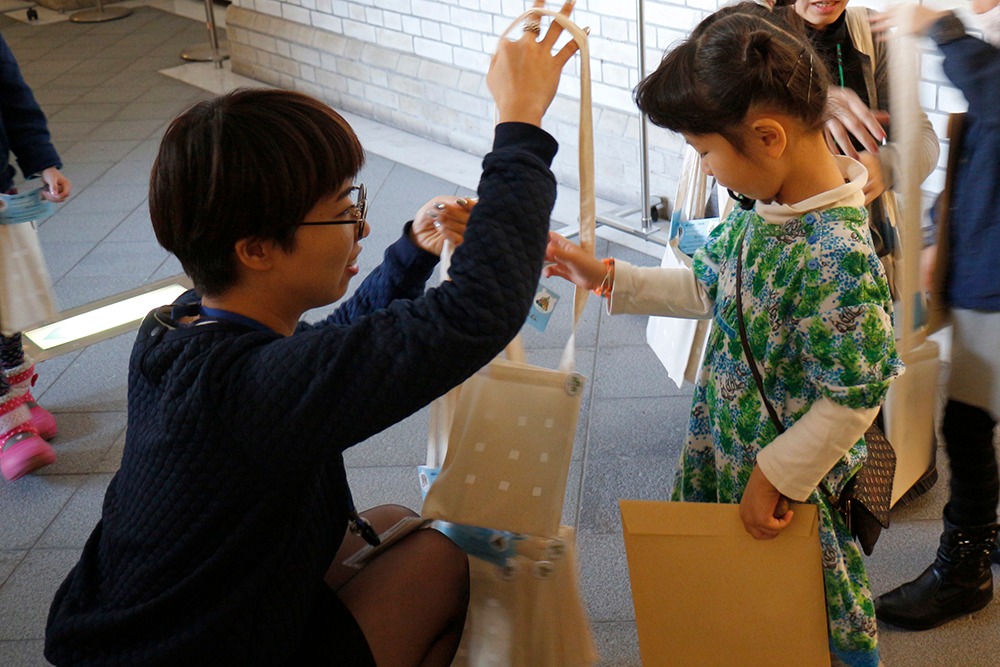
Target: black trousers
(975, 484)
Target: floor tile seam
(55, 517)
(140, 205)
(169, 258)
(587, 415)
(646, 395)
(102, 241)
(116, 117)
(110, 166)
(57, 411)
(85, 478)
(24, 556)
(58, 376)
(382, 466)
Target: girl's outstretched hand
(441, 219)
(757, 508)
(568, 260)
(524, 74)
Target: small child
(24, 425)
(750, 97)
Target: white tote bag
(509, 429)
(506, 436)
(25, 287)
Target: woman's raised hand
(524, 74)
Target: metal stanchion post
(100, 15)
(647, 220)
(618, 219)
(213, 52)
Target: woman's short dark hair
(739, 58)
(247, 164)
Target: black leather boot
(957, 583)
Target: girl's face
(325, 257)
(738, 171)
(820, 13)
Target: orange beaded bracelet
(604, 289)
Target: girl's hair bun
(741, 57)
(758, 48)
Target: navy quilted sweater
(231, 499)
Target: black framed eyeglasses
(357, 214)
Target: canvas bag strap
(442, 410)
(588, 215)
(751, 361)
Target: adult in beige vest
(859, 65)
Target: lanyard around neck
(230, 316)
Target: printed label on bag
(542, 307)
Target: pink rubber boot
(22, 450)
(23, 378)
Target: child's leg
(412, 599)
(20, 374)
(21, 449)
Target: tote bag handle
(442, 410)
(588, 216)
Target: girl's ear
(770, 136)
(254, 253)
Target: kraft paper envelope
(708, 594)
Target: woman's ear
(770, 136)
(255, 254)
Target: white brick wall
(419, 65)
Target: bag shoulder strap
(588, 212)
(751, 361)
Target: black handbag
(866, 499)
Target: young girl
(750, 98)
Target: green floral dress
(818, 318)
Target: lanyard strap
(230, 316)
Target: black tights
(975, 485)
(411, 600)
(11, 356)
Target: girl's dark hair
(247, 164)
(738, 58)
